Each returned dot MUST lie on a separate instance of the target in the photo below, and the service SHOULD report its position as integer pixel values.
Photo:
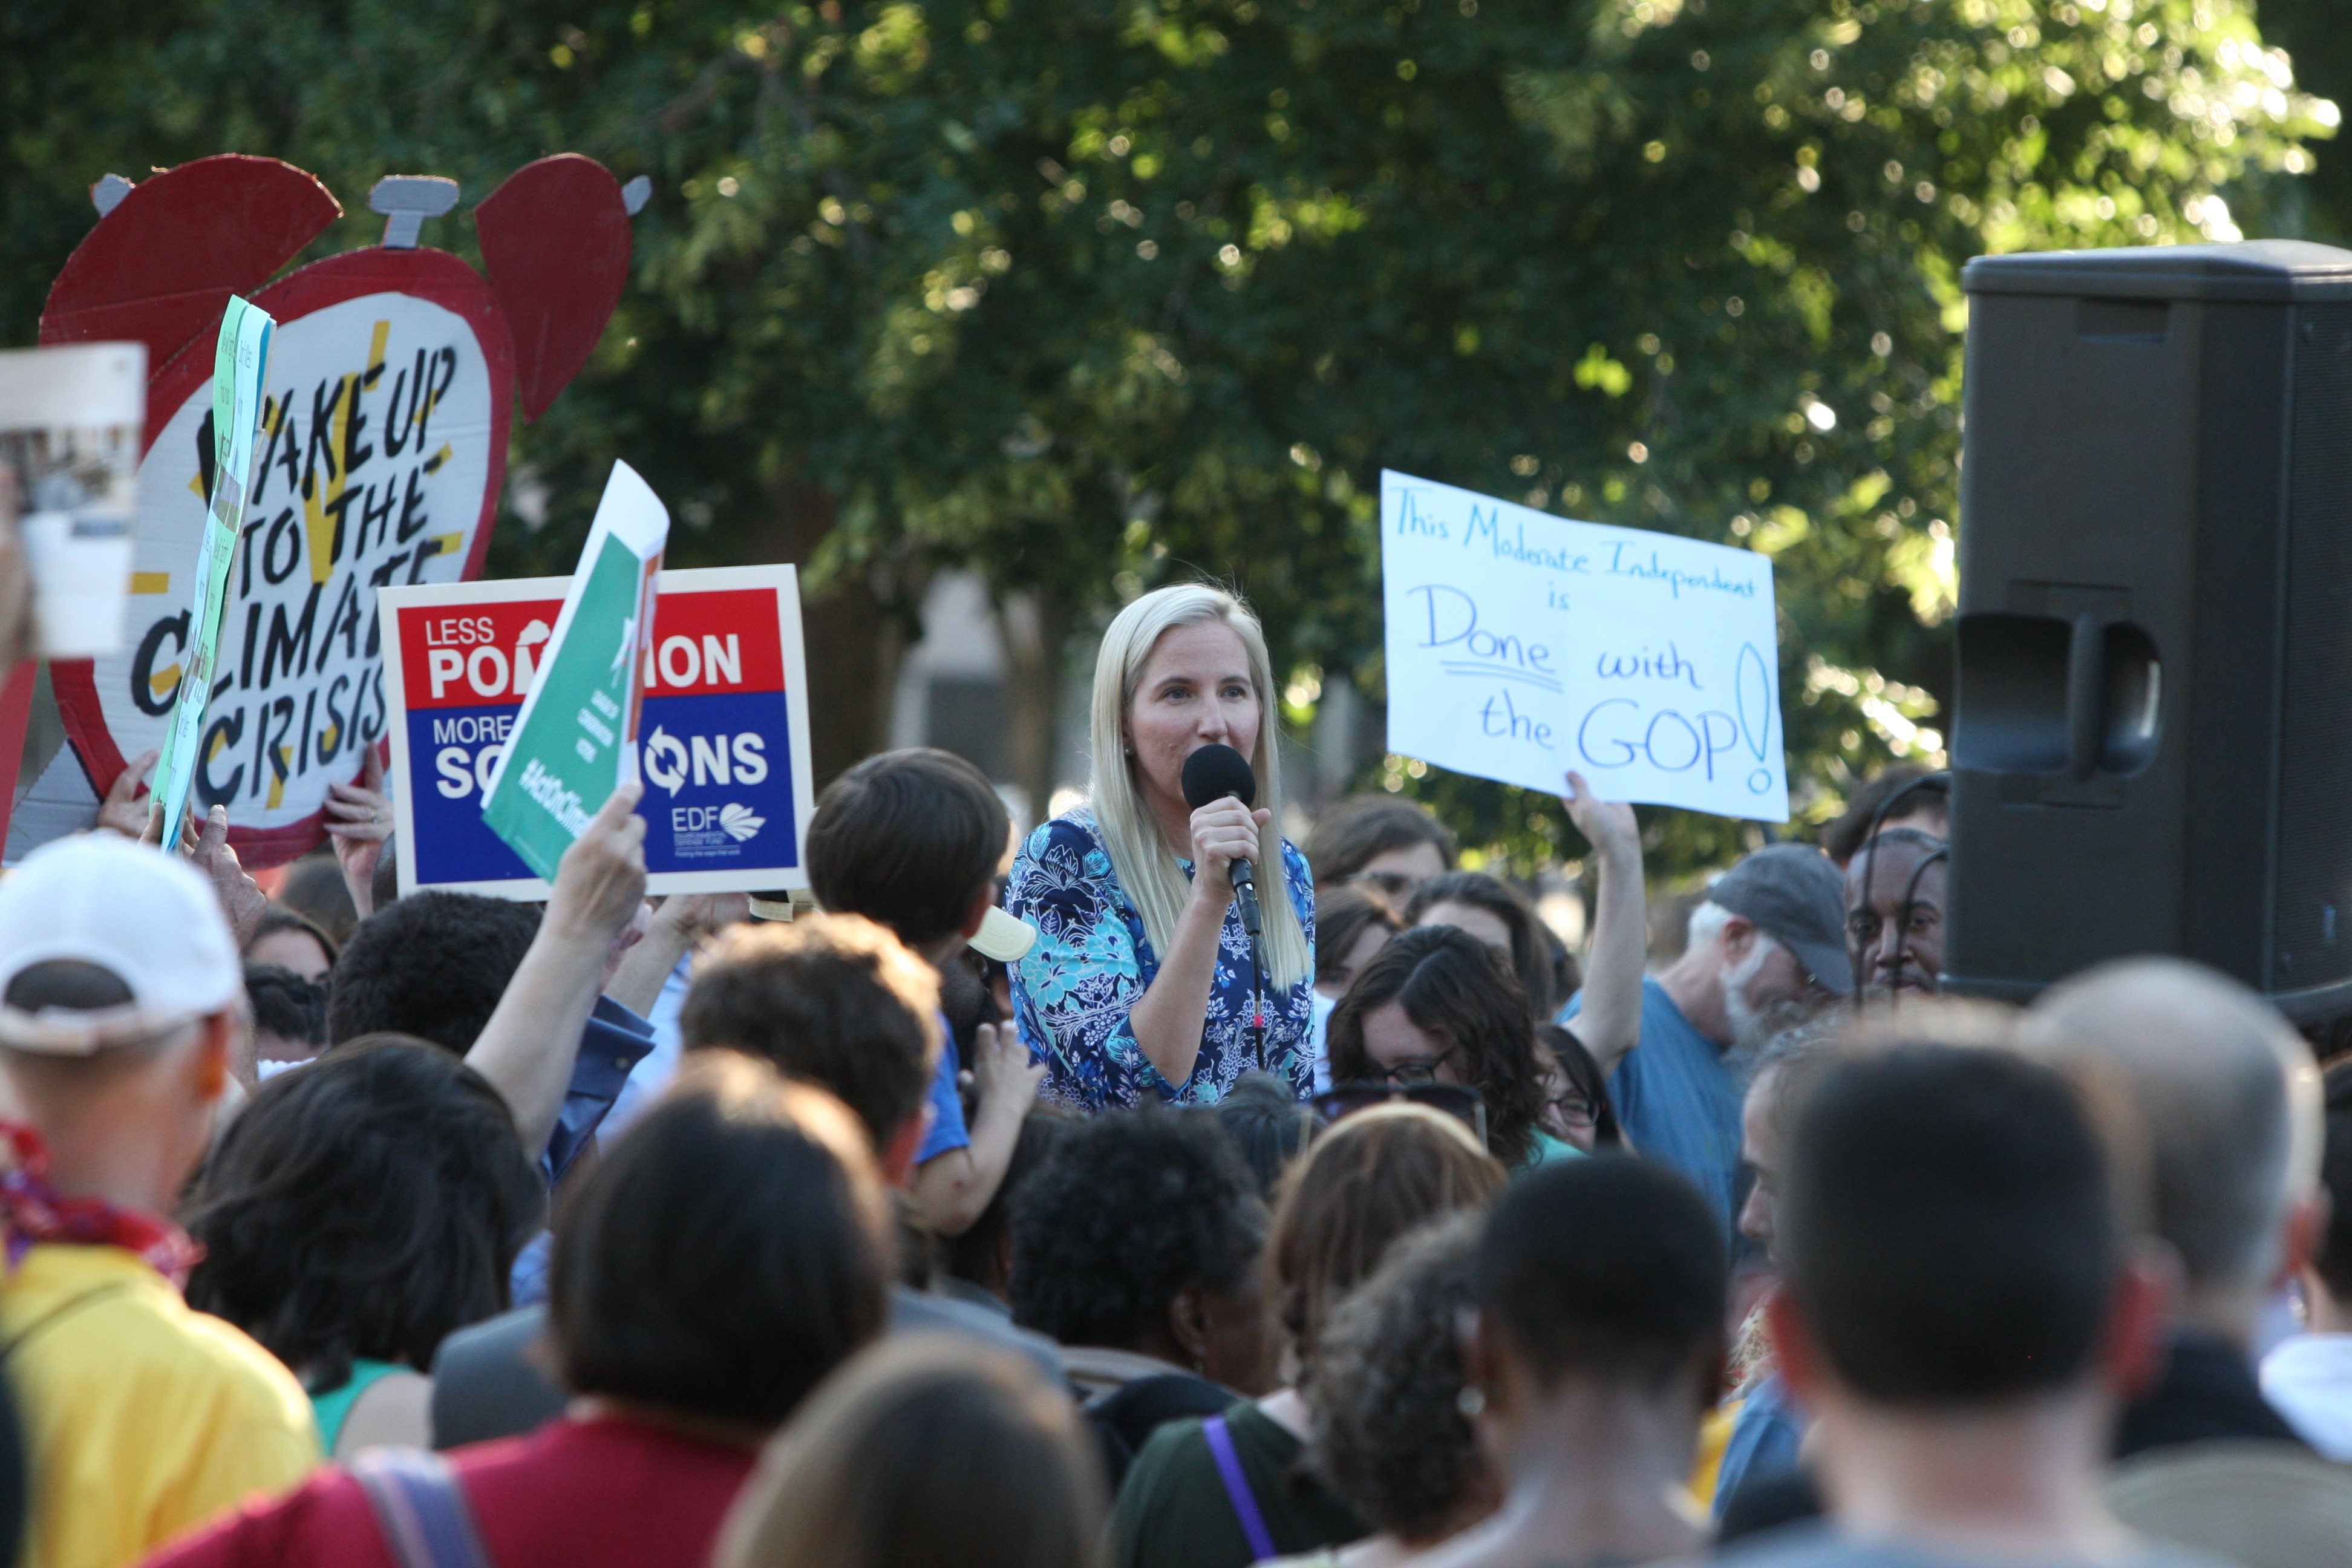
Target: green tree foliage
(1796, 386)
(2315, 35)
(1092, 295)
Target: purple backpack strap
(1237, 1487)
(420, 1508)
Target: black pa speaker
(2152, 747)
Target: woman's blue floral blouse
(1071, 993)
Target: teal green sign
(575, 741)
(240, 360)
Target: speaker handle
(2087, 682)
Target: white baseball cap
(1002, 937)
(143, 916)
(1005, 938)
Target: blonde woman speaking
(1142, 986)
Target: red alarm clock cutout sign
(391, 378)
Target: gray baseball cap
(1795, 894)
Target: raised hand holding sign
(384, 416)
(722, 741)
(575, 741)
(1521, 644)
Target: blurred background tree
(2317, 36)
(1089, 296)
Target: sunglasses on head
(1457, 1100)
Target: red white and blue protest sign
(392, 378)
(722, 742)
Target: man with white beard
(1770, 933)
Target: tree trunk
(1035, 629)
(852, 628)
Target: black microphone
(1212, 773)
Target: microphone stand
(1245, 893)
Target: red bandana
(32, 1211)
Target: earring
(1471, 1402)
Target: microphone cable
(1870, 863)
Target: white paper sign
(1522, 644)
(363, 481)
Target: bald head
(2230, 1098)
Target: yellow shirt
(143, 1418)
(1714, 1436)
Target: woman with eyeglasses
(1575, 1100)
(1436, 1005)
(1141, 986)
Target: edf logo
(739, 822)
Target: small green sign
(574, 743)
(240, 360)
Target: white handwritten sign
(381, 445)
(1522, 644)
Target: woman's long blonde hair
(1147, 868)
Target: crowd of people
(1030, 1206)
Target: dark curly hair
(1456, 988)
(1128, 1211)
(1385, 1387)
(433, 965)
(286, 1004)
(1531, 943)
(363, 1204)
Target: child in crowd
(913, 841)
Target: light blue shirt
(1677, 1098)
(1765, 1438)
(1074, 993)
(652, 1075)
(1549, 1150)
